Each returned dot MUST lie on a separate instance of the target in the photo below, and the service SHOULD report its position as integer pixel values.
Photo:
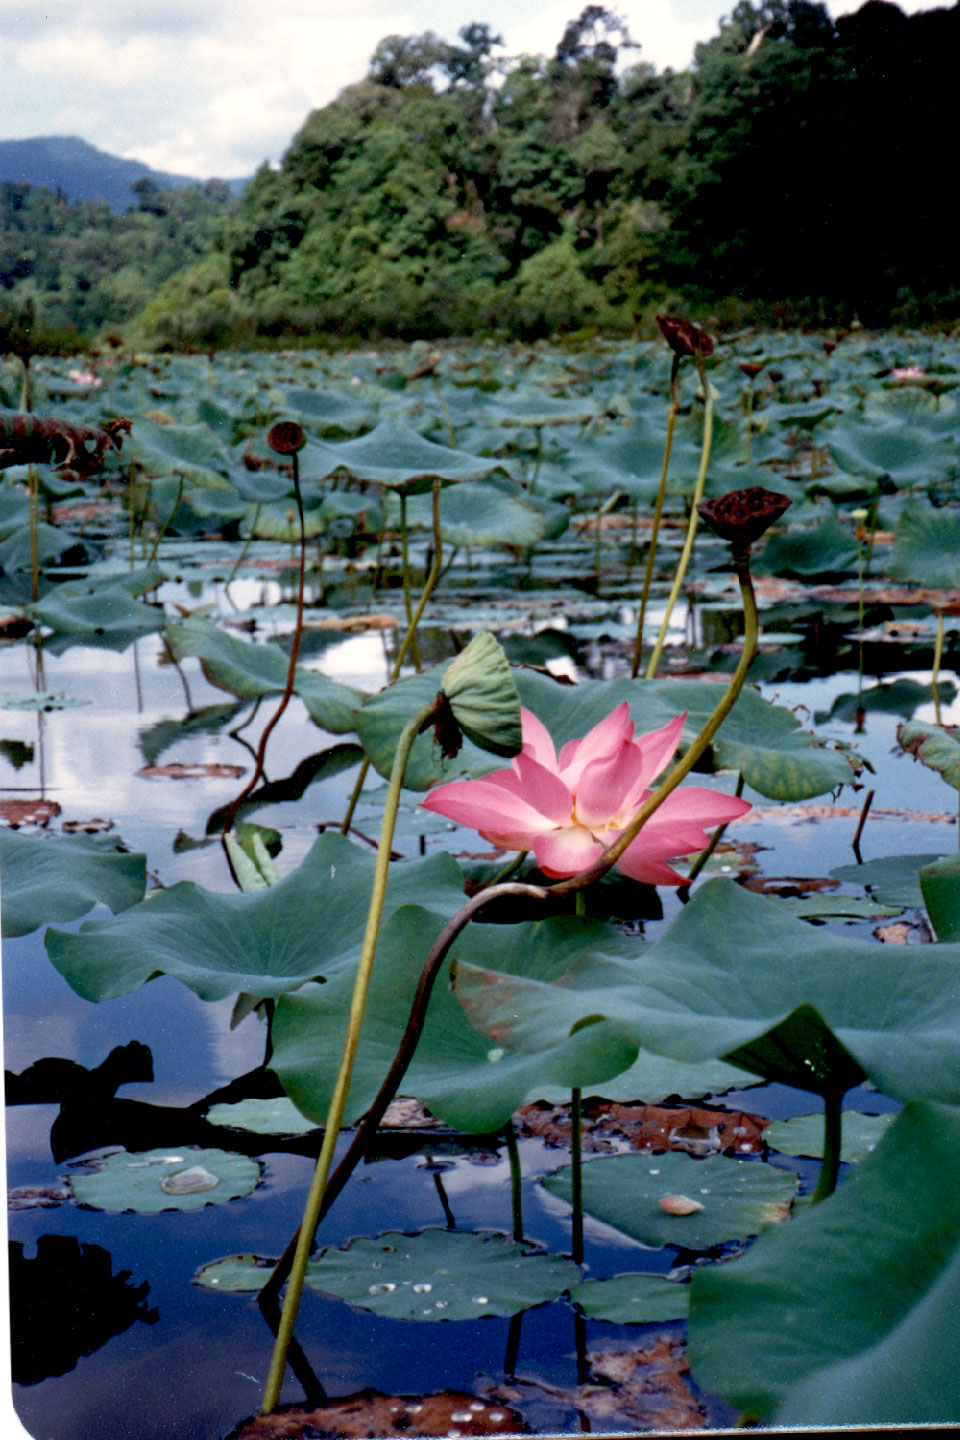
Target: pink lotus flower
(569, 810)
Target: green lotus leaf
(653, 1078)
(905, 452)
(108, 612)
(481, 513)
(927, 546)
(382, 719)
(393, 454)
(326, 412)
(891, 879)
(266, 942)
(440, 1275)
(114, 575)
(48, 877)
(472, 1083)
(54, 547)
(187, 1178)
(737, 1197)
(848, 1316)
(235, 1273)
(278, 1116)
(192, 451)
(936, 746)
(482, 694)
(803, 1135)
(902, 697)
(940, 884)
(826, 548)
(735, 977)
(256, 670)
(632, 1299)
(41, 700)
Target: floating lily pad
(154, 1180)
(278, 1116)
(738, 1197)
(891, 879)
(632, 1299)
(440, 1275)
(49, 878)
(803, 1135)
(235, 1273)
(41, 700)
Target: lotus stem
(288, 687)
(935, 672)
(311, 1214)
(576, 1175)
(830, 1165)
(162, 530)
(408, 640)
(657, 512)
(516, 1198)
(405, 567)
(692, 524)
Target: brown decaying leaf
(895, 934)
(799, 814)
(788, 885)
(179, 771)
(37, 1197)
(608, 1124)
(683, 337)
(27, 812)
(351, 623)
(640, 1389)
(14, 627)
(404, 1113)
(370, 1413)
(96, 826)
(46, 439)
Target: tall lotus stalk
(408, 641)
(684, 339)
(687, 339)
(286, 437)
(479, 699)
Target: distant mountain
(82, 172)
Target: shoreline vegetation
(791, 177)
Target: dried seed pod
(679, 1205)
(683, 337)
(286, 437)
(742, 516)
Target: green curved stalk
(166, 524)
(678, 579)
(334, 1118)
(657, 512)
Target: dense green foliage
(795, 167)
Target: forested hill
(799, 166)
(78, 170)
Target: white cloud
(213, 87)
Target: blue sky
(215, 87)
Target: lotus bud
(679, 1205)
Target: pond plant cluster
(573, 571)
